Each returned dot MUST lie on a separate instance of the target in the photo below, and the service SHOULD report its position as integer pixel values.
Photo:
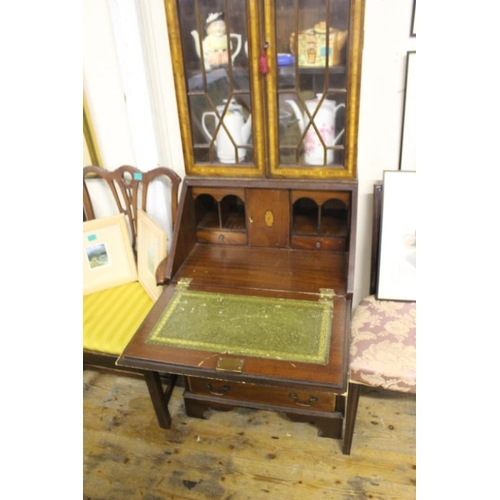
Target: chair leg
(160, 397)
(350, 416)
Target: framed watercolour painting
(397, 276)
(151, 250)
(108, 259)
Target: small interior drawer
(221, 237)
(319, 243)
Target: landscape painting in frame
(398, 239)
(108, 259)
(151, 250)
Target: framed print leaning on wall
(408, 151)
(413, 29)
(151, 250)
(108, 259)
(397, 277)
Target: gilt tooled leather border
(264, 327)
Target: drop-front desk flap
(273, 337)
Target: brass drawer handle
(312, 400)
(223, 392)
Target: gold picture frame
(151, 250)
(108, 259)
(91, 156)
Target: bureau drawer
(276, 396)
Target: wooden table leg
(160, 397)
(350, 416)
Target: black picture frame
(407, 153)
(413, 27)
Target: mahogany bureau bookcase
(259, 279)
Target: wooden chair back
(129, 188)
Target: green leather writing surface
(286, 329)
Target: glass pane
(214, 46)
(312, 37)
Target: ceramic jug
(233, 128)
(215, 45)
(324, 120)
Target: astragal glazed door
(267, 88)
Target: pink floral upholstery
(383, 344)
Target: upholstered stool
(382, 352)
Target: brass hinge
(183, 284)
(326, 295)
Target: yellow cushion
(111, 317)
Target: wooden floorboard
(242, 454)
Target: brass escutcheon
(230, 364)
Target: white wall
(103, 87)
(386, 42)
(129, 87)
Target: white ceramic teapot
(233, 128)
(215, 49)
(324, 120)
